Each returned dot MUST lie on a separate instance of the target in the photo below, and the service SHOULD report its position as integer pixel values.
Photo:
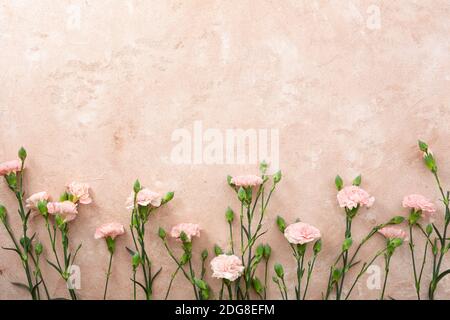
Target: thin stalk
(108, 274)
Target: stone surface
(95, 89)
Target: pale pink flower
(352, 196)
(34, 199)
(190, 229)
(246, 181)
(66, 209)
(418, 202)
(391, 232)
(144, 198)
(80, 191)
(227, 267)
(301, 233)
(9, 167)
(111, 230)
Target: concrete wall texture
(97, 90)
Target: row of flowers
(236, 266)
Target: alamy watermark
(213, 146)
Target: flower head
(80, 191)
(34, 199)
(246, 181)
(10, 167)
(227, 267)
(190, 229)
(144, 198)
(111, 230)
(352, 196)
(392, 232)
(66, 209)
(418, 202)
(301, 233)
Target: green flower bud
(277, 177)
(338, 182)
(357, 181)
(2, 212)
(229, 215)
(347, 244)
(201, 284)
(317, 246)
(275, 279)
(242, 195)
(135, 260)
(429, 229)
(281, 224)
(38, 248)
(64, 197)
(279, 270)
(423, 146)
(260, 250)
(169, 196)
(217, 250)
(204, 255)
(395, 242)
(430, 162)
(162, 233)
(185, 258)
(263, 167)
(267, 252)
(336, 275)
(257, 285)
(137, 186)
(22, 154)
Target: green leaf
(257, 285)
(156, 274)
(396, 220)
(21, 285)
(131, 252)
(357, 181)
(338, 183)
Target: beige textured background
(96, 99)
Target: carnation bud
(281, 224)
(135, 260)
(204, 254)
(336, 275)
(317, 246)
(185, 258)
(169, 196)
(201, 284)
(430, 162)
(38, 248)
(423, 146)
(267, 251)
(22, 154)
(338, 182)
(229, 215)
(347, 244)
(396, 242)
(263, 167)
(162, 233)
(357, 181)
(396, 220)
(2, 212)
(64, 197)
(277, 177)
(257, 285)
(275, 279)
(429, 229)
(217, 250)
(242, 195)
(260, 250)
(137, 186)
(279, 270)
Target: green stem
(108, 274)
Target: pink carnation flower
(391, 232)
(352, 196)
(227, 267)
(190, 229)
(34, 199)
(246, 181)
(80, 191)
(418, 202)
(144, 198)
(111, 230)
(65, 209)
(301, 233)
(9, 167)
